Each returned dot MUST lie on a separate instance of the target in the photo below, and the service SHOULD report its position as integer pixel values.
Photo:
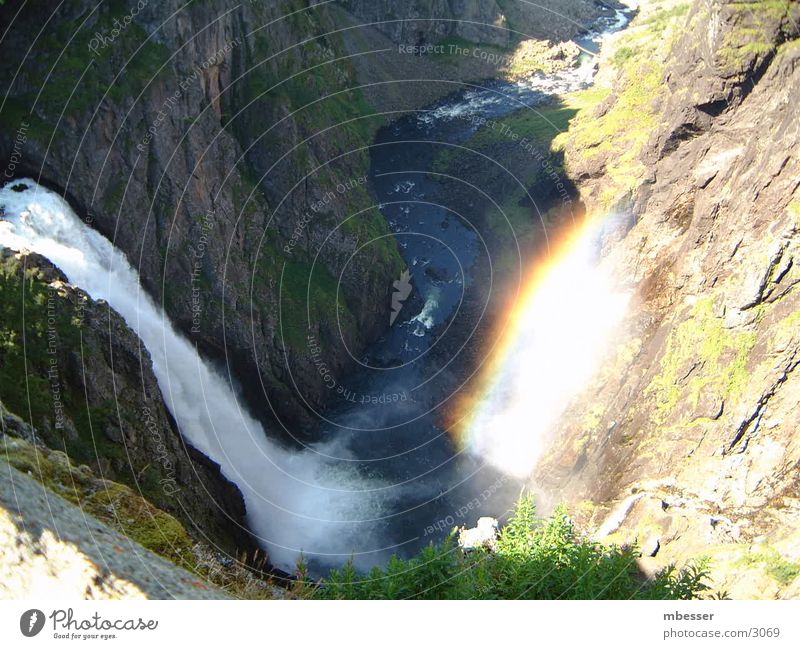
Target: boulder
(483, 535)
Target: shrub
(534, 559)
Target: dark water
(389, 415)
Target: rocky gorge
(224, 151)
(221, 214)
(683, 443)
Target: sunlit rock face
(481, 21)
(696, 409)
(55, 550)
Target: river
(390, 416)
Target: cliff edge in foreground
(53, 549)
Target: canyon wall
(222, 150)
(222, 170)
(181, 139)
(687, 440)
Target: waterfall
(297, 501)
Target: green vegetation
(40, 328)
(786, 329)
(537, 126)
(122, 509)
(25, 356)
(534, 559)
(115, 504)
(753, 36)
(622, 131)
(622, 56)
(663, 19)
(134, 60)
(134, 516)
(629, 112)
(339, 124)
(16, 114)
(315, 83)
(306, 297)
(532, 129)
(319, 98)
(721, 356)
(523, 142)
(309, 296)
(774, 564)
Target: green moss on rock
(701, 355)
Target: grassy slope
(618, 124)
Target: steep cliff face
(494, 22)
(68, 533)
(181, 133)
(82, 378)
(407, 55)
(223, 149)
(688, 435)
(55, 550)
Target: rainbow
(548, 346)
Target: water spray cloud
(552, 342)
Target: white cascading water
(297, 501)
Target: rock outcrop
(87, 384)
(483, 536)
(54, 550)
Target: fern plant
(534, 559)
